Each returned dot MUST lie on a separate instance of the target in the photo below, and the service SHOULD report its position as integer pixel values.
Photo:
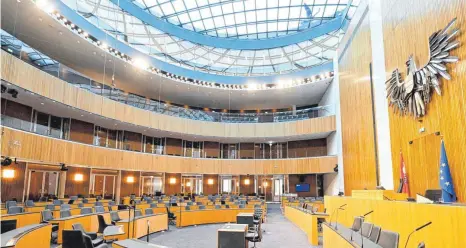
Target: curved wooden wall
(33, 147)
(407, 25)
(26, 76)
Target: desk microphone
(334, 212)
(336, 219)
(417, 229)
(363, 216)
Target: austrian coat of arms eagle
(411, 95)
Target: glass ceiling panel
(247, 19)
(224, 18)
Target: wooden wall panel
(128, 188)
(81, 131)
(13, 187)
(310, 179)
(34, 147)
(17, 110)
(446, 113)
(28, 77)
(356, 112)
(210, 189)
(246, 189)
(73, 187)
(171, 189)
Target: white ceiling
(31, 25)
(49, 106)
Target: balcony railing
(41, 61)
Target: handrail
(41, 61)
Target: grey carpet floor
(279, 232)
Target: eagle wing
(441, 43)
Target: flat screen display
(303, 187)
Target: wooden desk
(341, 238)
(317, 204)
(245, 218)
(135, 243)
(89, 222)
(307, 221)
(379, 195)
(232, 236)
(157, 223)
(448, 221)
(23, 219)
(210, 216)
(36, 235)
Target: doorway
(42, 184)
(103, 185)
(191, 184)
(151, 184)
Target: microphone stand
(334, 212)
(362, 237)
(417, 229)
(134, 216)
(336, 219)
(129, 217)
(148, 225)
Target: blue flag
(446, 182)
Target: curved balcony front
(31, 78)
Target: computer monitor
(7, 225)
(434, 194)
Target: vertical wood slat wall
(407, 25)
(356, 112)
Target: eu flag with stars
(446, 183)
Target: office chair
(357, 223)
(218, 206)
(110, 205)
(102, 223)
(43, 199)
(148, 211)
(65, 207)
(30, 203)
(149, 200)
(50, 207)
(388, 239)
(189, 203)
(96, 240)
(86, 210)
(375, 233)
(9, 204)
(171, 217)
(46, 217)
(137, 213)
(187, 208)
(366, 229)
(99, 209)
(76, 239)
(114, 217)
(15, 210)
(97, 203)
(241, 206)
(74, 197)
(255, 236)
(227, 206)
(202, 207)
(65, 213)
(153, 205)
(57, 202)
(84, 200)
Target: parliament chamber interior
(233, 123)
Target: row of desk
(307, 221)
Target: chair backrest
(85, 200)
(111, 203)
(357, 223)
(99, 209)
(86, 210)
(366, 229)
(9, 204)
(15, 210)
(137, 213)
(50, 207)
(88, 241)
(65, 213)
(241, 206)
(78, 226)
(73, 239)
(153, 205)
(160, 201)
(202, 207)
(217, 206)
(74, 197)
(47, 215)
(190, 203)
(227, 206)
(30, 203)
(114, 216)
(374, 236)
(149, 200)
(65, 206)
(102, 223)
(80, 205)
(97, 203)
(148, 211)
(57, 202)
(43, 199)
(187, 208)
(388, 239)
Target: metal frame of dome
(300, 59)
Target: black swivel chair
(102, 223)
(96, 240)
(255, 236)
(76, 239)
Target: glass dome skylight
(114, 20)
(247, 19)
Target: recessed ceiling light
(78, 41)
(32, 93)
(41, 103)
(82, 115)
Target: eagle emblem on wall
(411, 95)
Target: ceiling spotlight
(63, 167)
(6, 161)
(13, 92)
